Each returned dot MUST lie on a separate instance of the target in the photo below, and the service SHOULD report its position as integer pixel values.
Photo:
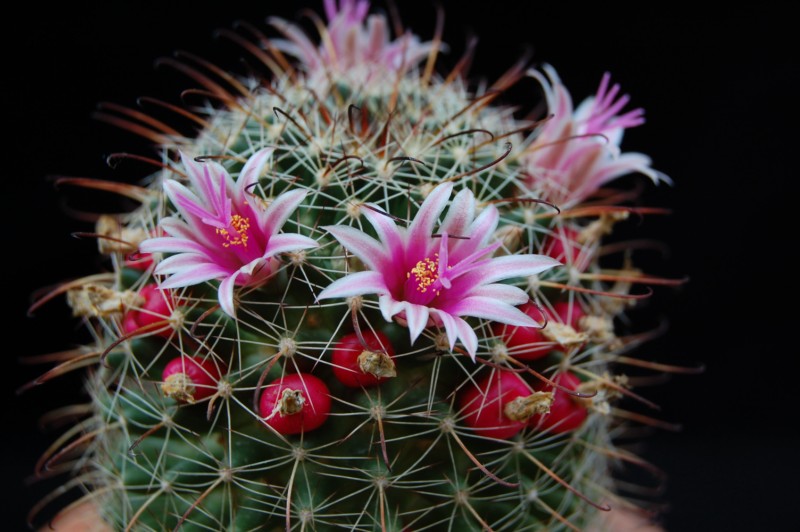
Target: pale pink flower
(353, 45)
(223, 231)
(426, 278)
(577, 151)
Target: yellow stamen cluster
(240, 225)
(426, 272)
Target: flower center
(236, 232)
(425, 273)
(425, 281)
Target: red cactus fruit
(156, 309)
(357, 367)
(564, 246)
(567, 412)
(485, 407)
(191, 379)
(569, 314)
(299, 402)
(529, 343)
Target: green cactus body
(362, 145)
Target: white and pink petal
(467, 336)
(387, 231)
(421, 229)
(169, 244)
(447, 321)
(225, 294)
(416, 317)
(506, 293)
(188, 205)
(179, 262)
(250, 173)
(367, 249)
(463, 249)
(280, 210)
(389, 306)
(286, 242)
(355, 284)
(510, 266)
(460, 214)
(490, 309)
(195, 275)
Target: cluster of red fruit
(301, 402)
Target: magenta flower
(577, 152)
(224, 232)
(427, 279)
(349, 47)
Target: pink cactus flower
(224, 232)
(350, 47)
(425, 278)
(577, 151)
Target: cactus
(365, 296)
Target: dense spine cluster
(363, 297)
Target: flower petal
(378, 33)
(484, 225)
(478, 232)
(363, 246)
(213, 183)
(179, 262)
(330, 9)
(280, 209)
(194, 170)
(389, 306)
(174, 226)
(507, 293)
(195, 275)
(443, 261)
(460, 214)
(254, 271)
(624, 164)
(288, 242)
(490, 309)
(417, 318)
(468, 337)
(169, 244)
(226, 295)
(449, 323)
(294, 36)
(386, 229)
(202, 220)
(471, 262)
(355, 284)
(188, 204)
(421, 229)
(251, 172)
(510, 266)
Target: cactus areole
(363, 296)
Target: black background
(721, 99)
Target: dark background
(721, 99)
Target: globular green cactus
(365, 297)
